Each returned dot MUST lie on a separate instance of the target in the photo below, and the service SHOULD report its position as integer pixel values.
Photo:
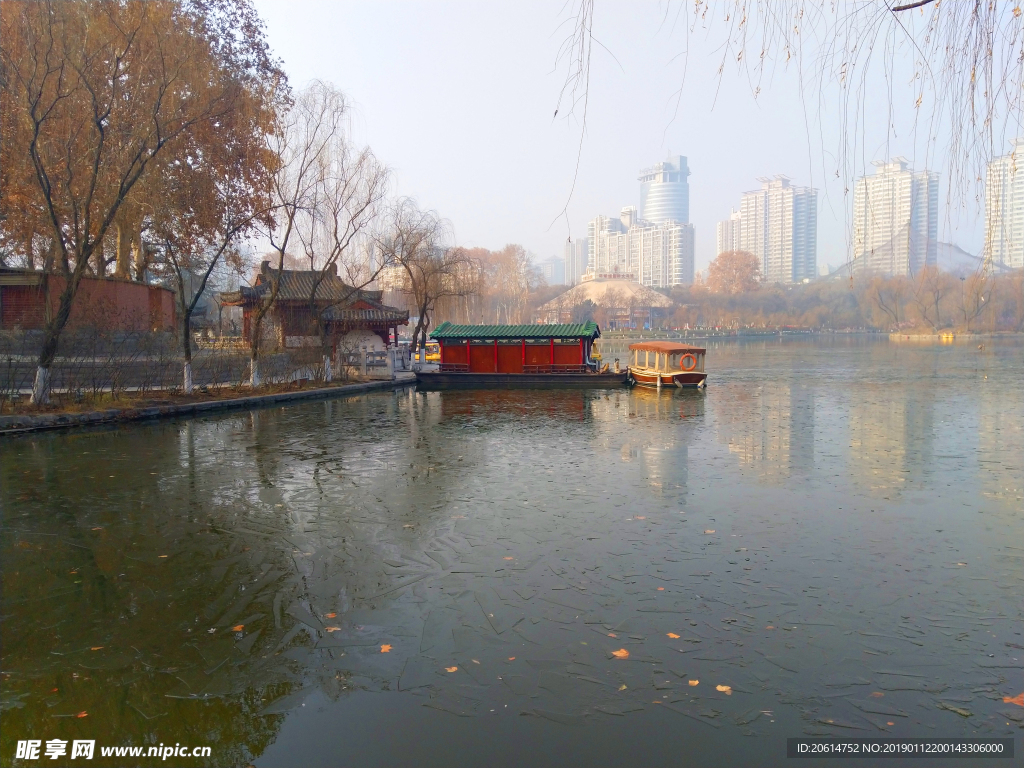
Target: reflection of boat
(666, 363)
(556, 355)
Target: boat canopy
(667, 348)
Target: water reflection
(806, 539)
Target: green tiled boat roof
(448, 330)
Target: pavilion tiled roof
(588, 330)
(296, 285)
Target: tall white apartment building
(779, 225)
(728, 234)
(1004, 209)
(655, 245)
(895, 219)
(665, 192)
(655, 255)
(576, 257)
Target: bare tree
(414, 240)
(929, 287)
(344, 204)
(889, 295)
(302, 141)
(975, 292)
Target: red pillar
(581, 350)
(440, 344)
(524, 354)
(467, 354)
(495, 355)
(552, 355)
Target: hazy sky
(458, 98)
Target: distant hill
(949, 258)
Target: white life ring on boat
(693, 362)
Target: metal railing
(555, 369)
(454, 368)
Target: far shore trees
(95, 97)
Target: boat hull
(454, 380)
(680, 379)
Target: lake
(828, 541)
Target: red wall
(116, 305)
(510, 356)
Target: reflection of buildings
(771, 431)
(1001, 444)
(649, 431)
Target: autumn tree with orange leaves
(734, 272)
(102, 103)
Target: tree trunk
(41, 386)
(186, 349)
(52, 331)
(122, 267)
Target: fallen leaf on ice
(82, 714)
(96, 648)
(1018, 700)
(693, 682)
(877, 694)
(508, 558)
(673, 635)
(332, 629)
(890, 722)
(451, 669)
(511, 658)
(622, 653)
(474, 661)
(661, 589)
(726, 689)
(238, 628)
(385, 648)
(330, 615)
(622, 687)
(640, 517)
(769, 627)
(612, 634)
(710, 530)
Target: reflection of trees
(129, 566)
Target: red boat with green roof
(547, 355)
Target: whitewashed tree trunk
(254, 373)
(188, 378)
(41, 386)
(328, 369)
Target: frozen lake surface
(828, 541)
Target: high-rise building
(895, 219)
(728, 234)
(1004, 209)
(576, 256)
(665, 192)
(779, 225)
(655, 245)
(658, 256)
(553, 271)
